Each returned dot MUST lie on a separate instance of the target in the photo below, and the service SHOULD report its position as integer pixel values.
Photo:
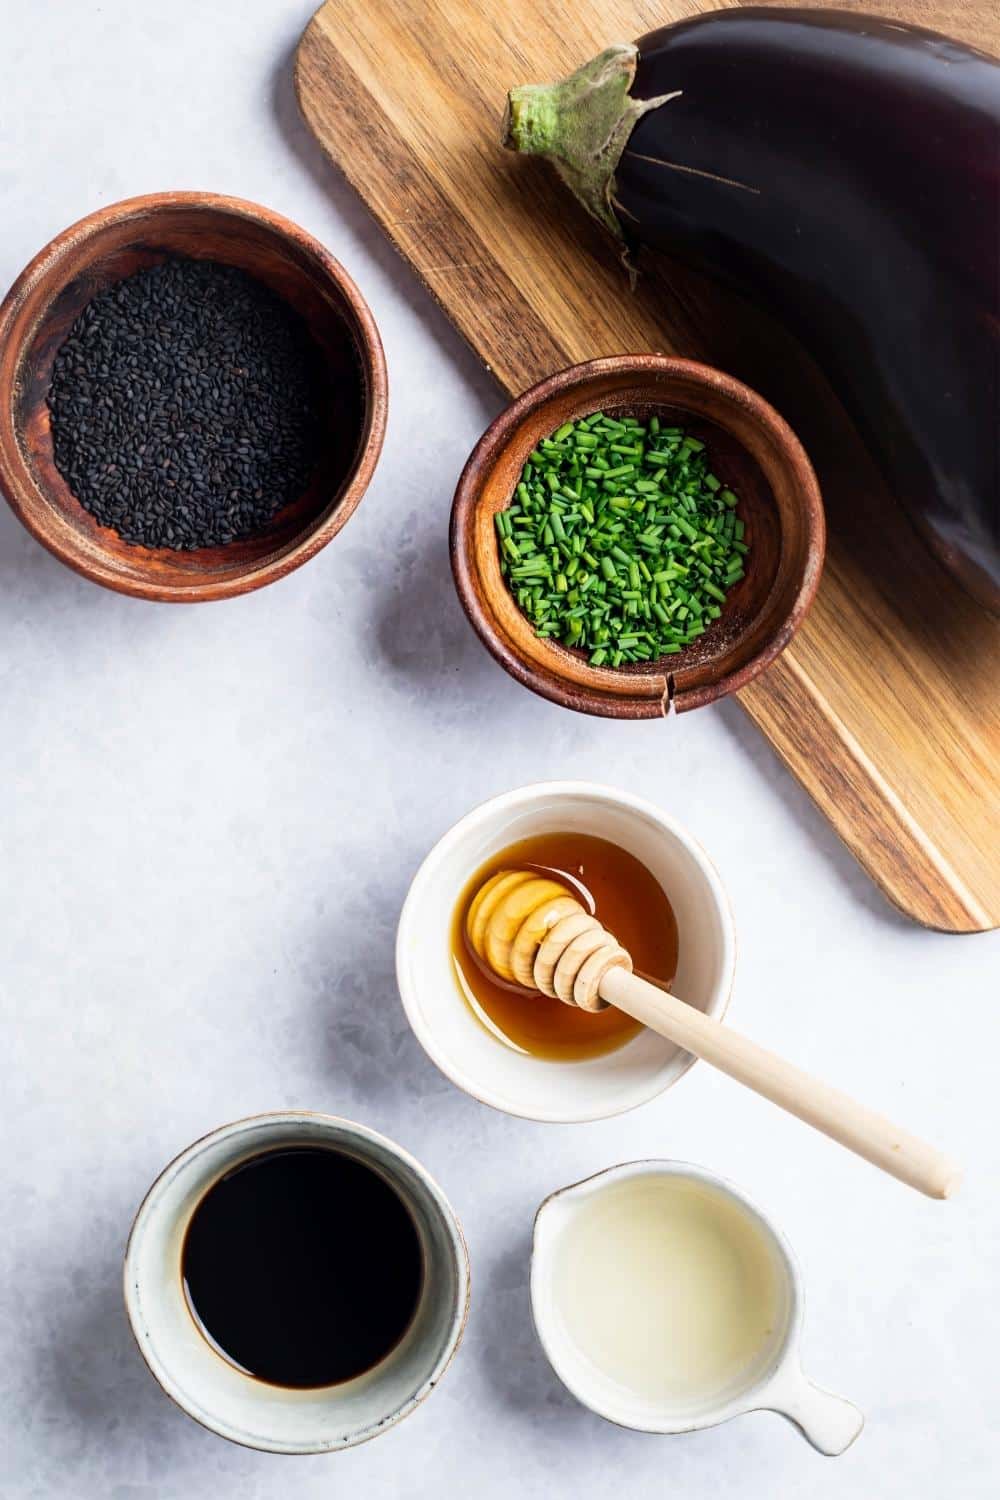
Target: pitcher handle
(827, 1421)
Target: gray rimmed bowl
(224, 1398)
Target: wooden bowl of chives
(752, 450)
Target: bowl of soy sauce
(296, 1282)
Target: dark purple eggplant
(843, 172)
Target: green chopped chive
(619, 537)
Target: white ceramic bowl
(218, 1394)
(772, 1382)
(592, 1088)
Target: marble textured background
(209, 820)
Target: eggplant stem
(582, 125)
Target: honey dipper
(531, 931)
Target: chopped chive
(619, 537)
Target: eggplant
(844, 173)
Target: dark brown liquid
(302, 1267)
(620, 891)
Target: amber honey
(619, 890)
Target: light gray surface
(210, 818)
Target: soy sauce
(302, 1267)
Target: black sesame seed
(185, 406)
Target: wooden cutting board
(887, 704)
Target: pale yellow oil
(669, 1289)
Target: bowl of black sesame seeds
(192, 397)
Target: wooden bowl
(753, 451)
(105, 247)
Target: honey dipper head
(530, 930)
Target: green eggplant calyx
(582, 126)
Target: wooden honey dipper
(531, 931)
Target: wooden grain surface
(887, 705)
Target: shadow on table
(419, 625)
(423, 635)
(507, 1346)
(93, 1371)
(797, 802)
(32, 572)
(352, 211)
(360, 1056)
(373, 1063)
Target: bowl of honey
(629, 864)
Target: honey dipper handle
(860, 1129)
